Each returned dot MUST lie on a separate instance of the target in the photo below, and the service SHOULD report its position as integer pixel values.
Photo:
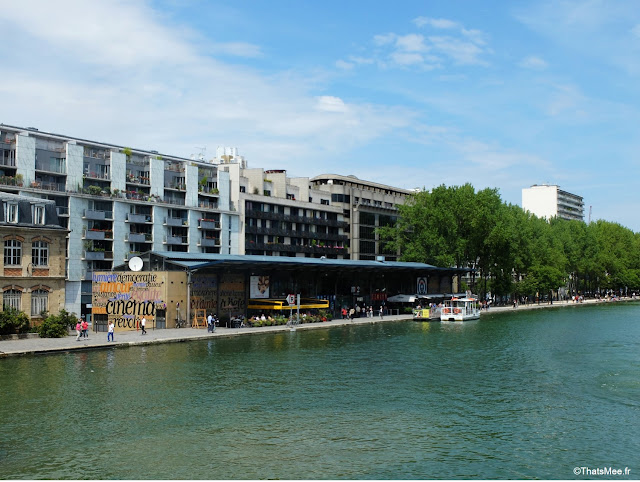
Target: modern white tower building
(548, 201)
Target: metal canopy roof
(192, 261)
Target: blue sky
(408, 93)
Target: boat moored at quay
(460, 309)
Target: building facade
(284, 216)
(118, 202)
(33, 266)
(548, 201)
(365, 206)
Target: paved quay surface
(39, 346)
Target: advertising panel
(259, 287)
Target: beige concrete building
(365, 206)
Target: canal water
(517, 395)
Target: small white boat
(460, 309)
(427, 314)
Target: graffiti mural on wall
(204, 292)
(126, 297)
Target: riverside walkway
(34, 345)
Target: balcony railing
(176, 240)
(10, 181)
(209, 224)
(49, 186)
(138, 218)
(62, 210)
(210, 242)
(137, 238)
(97, 215)
(176, 221)
(98, 255)
(8, 162)
(51, 167)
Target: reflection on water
(518, 395)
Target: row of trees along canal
(512, 251)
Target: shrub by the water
(57, 326)
(13, 321)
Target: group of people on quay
(360, 312)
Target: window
(37, 211)
(12, 299)
(324, 201)
(39, 302)
(11, 212)
(12, 252)
(40, 253)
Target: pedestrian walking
(78, 330)
(143, 322)
(381, 308)
(85, 327)
(110, 331)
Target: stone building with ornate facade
(33, 265)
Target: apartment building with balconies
(282, 216)
(118, 202)
(366, 206)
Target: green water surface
(528, 394)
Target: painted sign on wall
(232, 293)
(204, 292)
(127, 297)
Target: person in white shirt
(110, 334)
(142, 323)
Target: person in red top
(85, 327)
(78, 330)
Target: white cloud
(534, 63)
(440, 23)
(329, 103)
(411, 43)
(344, 65)
(384, 39)
(140, 82)
(461, 52)
(239, 49)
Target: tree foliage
(513, 251)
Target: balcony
(62, 210)
(209, 224)
(210, 242)
(102, 176)
(138, 218)
(11, 181)
(53, 167)
(97, 215)
(98, 235)
(48, 186)
(176, 240)
(176, 221)
(139, 238)
(98, 255)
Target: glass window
(12, 252)
(38, 214)
(11, 212)
(12, 299)
(40, 253)
(39, 302)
